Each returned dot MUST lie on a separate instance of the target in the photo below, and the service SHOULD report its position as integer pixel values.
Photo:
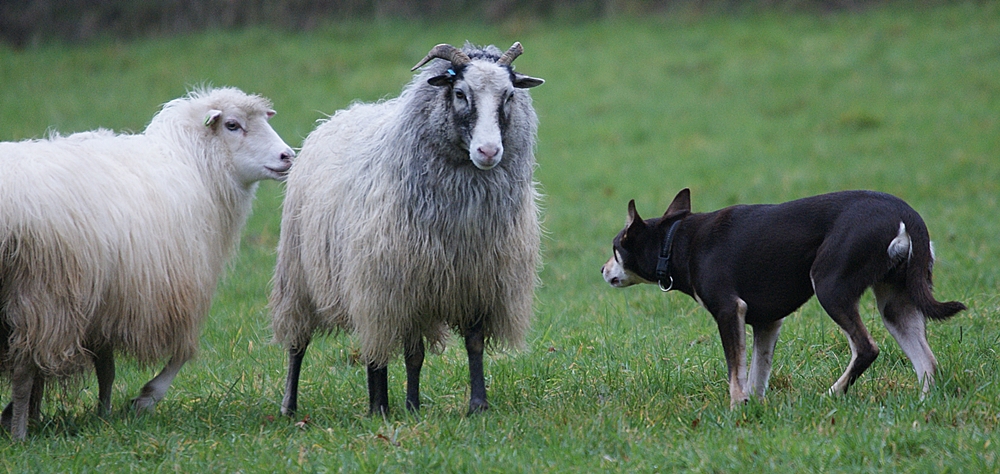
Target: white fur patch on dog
(618, 276)
(900, 247)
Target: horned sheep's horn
(444, 51)
(512, 53)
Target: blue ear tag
(451, 72)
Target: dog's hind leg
(841, 302)
(765, 336)
(732, 330)
(907, 325)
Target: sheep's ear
(680, 205)
(526, 82)
(212, 117)
(439, 81)
(270, 113)
(445, 79)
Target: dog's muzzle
(617, 276)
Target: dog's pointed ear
(633, 222)
(680, 205)
(633, 216)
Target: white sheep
(409, 216)
(115, 243)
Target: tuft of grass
(760, 107)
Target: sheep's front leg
(290, 403)
(104, 366)
(24, 381)
(474, 345)
(414, 361)
(155, 389)
(34, 406)
(378, 390)
(37, 391)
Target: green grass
(752, 108)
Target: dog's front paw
(837, 389)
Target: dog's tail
(919, 272)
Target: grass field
(752, 108)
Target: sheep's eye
(459, 94)
(233, 126)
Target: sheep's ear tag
(212, 117)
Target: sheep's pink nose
(489, 151)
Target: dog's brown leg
(842, 305)
(907, 325)
(732, 330)
(845, 266)
(765, 336)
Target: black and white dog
(755, 264)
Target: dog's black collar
(663, 264)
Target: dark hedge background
(29, 22)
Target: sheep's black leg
(474, 345)
(414, 361)
(23, 384)
(5, 417)
(155, 389)
(290, 403)
(104, 366)
(378, 390)
(35, 404)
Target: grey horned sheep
(413, 215)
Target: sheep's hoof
(478, 406)
(143, 404)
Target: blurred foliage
(28, 22)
